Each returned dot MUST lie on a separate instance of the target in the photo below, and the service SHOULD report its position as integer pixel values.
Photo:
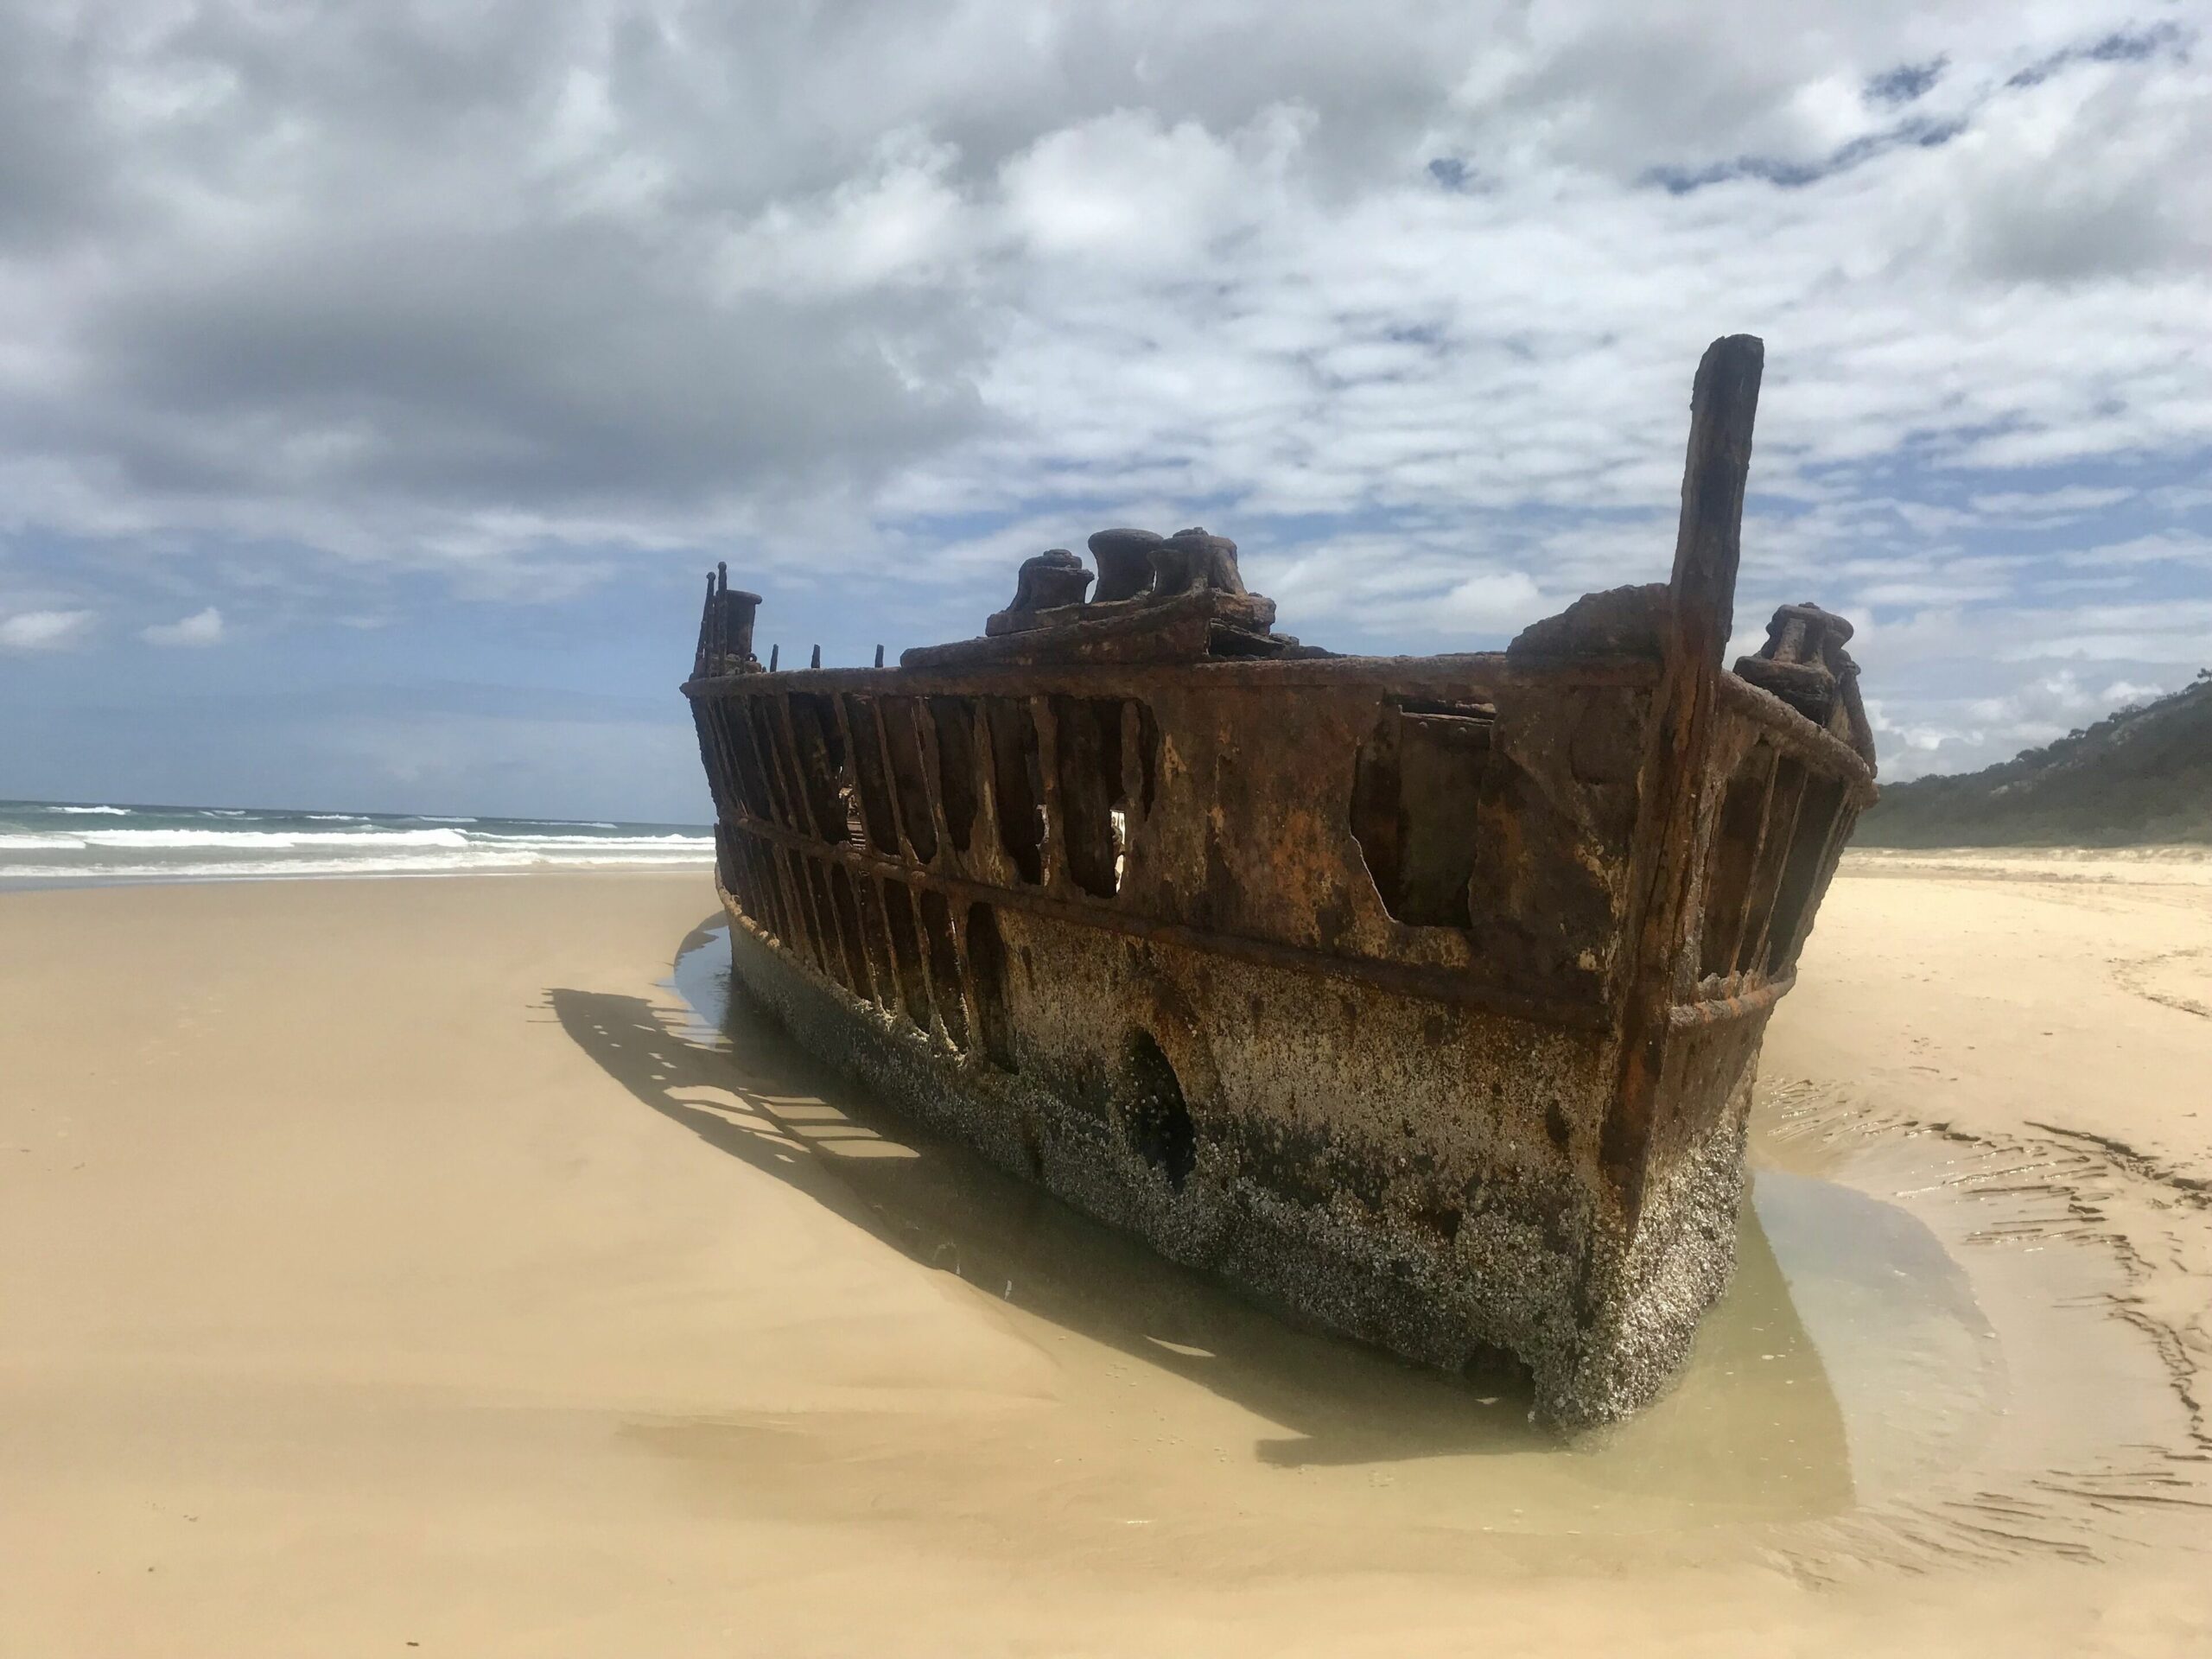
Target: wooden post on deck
(1701, 613)
(1709, 542)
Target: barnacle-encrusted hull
(1421, 997)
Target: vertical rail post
(1701, 613)
(706, 626)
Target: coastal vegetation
(2140, 774)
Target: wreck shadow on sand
(747, 1089)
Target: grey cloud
(1795, 175)
(414, 282)
(824, 81)
(319, 312)
(2068, 236)
(1905, 83)
(552, 366)
(433, 257)
(53, 164)
(2121, 242)
(2120, 46)
(2083, 187)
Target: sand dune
(416, 1267)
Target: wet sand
(433, 1263)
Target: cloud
(2164, 546)
(311, 312)
(2038, 506)
(2034, 713)
(201, 628)
(1795, 174)
(645, 273)
(1905, 83)
(44, 630)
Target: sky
(377, 380)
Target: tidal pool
(1850, 1376)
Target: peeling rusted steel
(1474, 673)
(1803, 663)
(1421, 995)
(1412, 979)
(1731, 1005)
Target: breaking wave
(44, 843)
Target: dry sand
(394, 1266)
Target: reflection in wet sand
(1842, 1306)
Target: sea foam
(42, 843)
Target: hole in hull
(870, 789)
(944, 967)
(737, 726)
(907, 952)
(768, 743)
(909, 776)
(1416, 789)
(832, 936)
(821, 764)
(1816, 818)
(846, 903)
(1788, 795)
(1145, 733)
(955, 720)
(1017, 776)
(1735, 848)
(1089, 762)
(1157, 1116)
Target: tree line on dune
(2141, 774)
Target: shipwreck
(1419, 997)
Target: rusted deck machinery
(1420, 996)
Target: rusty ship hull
(1420, 997)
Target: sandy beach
(428, 1266)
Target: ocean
(44, 842)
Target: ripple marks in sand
(2073, 1224)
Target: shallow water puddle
(1850, 1378)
